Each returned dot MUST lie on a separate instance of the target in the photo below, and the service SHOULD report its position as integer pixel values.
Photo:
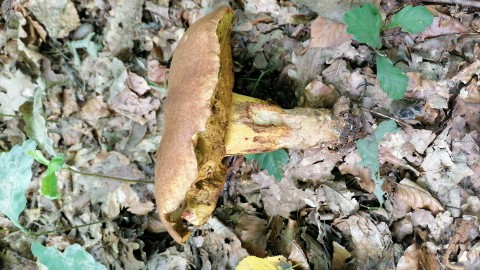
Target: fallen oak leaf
(416, 197)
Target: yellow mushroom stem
(256, 126)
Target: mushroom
(205, 121)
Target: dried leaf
(35, 124)
(443, 25)
(252, 232)
(16, 89)
(340, 256)
(325, 33)
(413, 258)
(371, 244)
(338, 198)
(59, 17)
(416, 197)
(283, 197)
(123, 26)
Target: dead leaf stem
(111, 177)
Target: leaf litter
(105, 114)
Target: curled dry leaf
(413, 258)
(416, 197)
(371, 243)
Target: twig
(34, 234)
(111, 177)
(465, 3)
(385, 116)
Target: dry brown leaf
(416, 197)
(312, 166)
(104, 73)
(420, 138)
(471, 258)
(169, 259)
(156, 72)
(123, 26)
(224, 249)
(340, 256)
(333, 10)
(363, 174)
(440, 226)
(443, 25)
(443, 172)
(465, 232)
(252, 232)
(372, 244)
(283, 197)
(396, 149)
(137, 83)
(325, 33)
(94, 109)
(125, 197)
(472, 207)
(59, 17)
(402, 228)
(413, 258)
(287, 243)
(319, 95)
(16, 88)
(422, 218)
(338, 198)
(140, 110)
(471, 93)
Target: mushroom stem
(256, 126)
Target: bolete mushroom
(204, 122)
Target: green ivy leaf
(271, 161)
(412, 19)
(74, 257)
(368, 151)
(35, 127)
(365, 23)
(15, 176)
(393, 81)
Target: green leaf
(393, 81)
(271, 161)
(412, 19)
(15, 176)
(39, 157)
(365, 23)
(368, 151)
(74, 258)
(49, 182)
(34, 122)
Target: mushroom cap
(189, 174)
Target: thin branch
(34, 234)
(465, 3)
(385, 116)
(111, 177)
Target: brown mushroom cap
(189, 174)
